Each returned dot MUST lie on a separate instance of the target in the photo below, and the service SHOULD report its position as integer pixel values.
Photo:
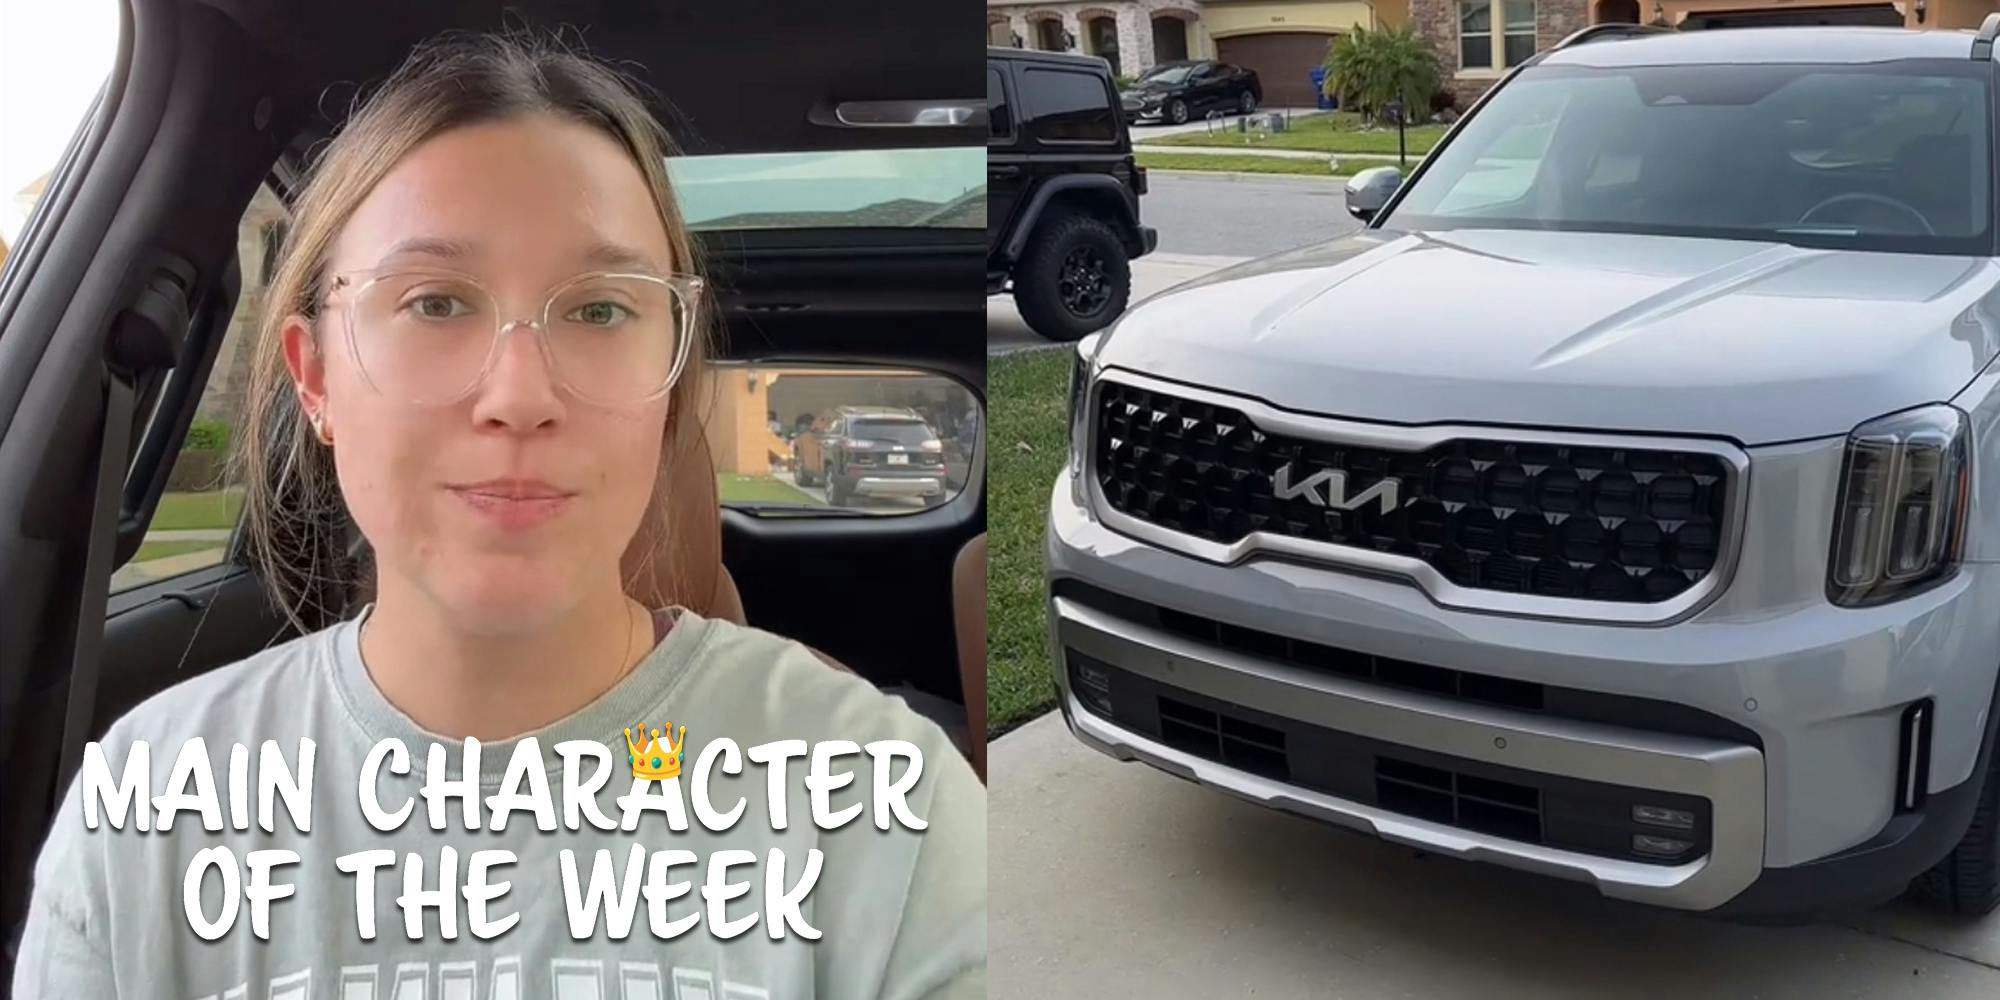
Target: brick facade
(1134, 19)
(1436, 22)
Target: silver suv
(1622, 503)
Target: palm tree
(1365, 70)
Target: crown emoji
(652, 761)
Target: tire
(1967, 881)
(1177, 111)
(1071, 262)
(1246, 103)
(837, 493)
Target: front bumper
(1730, 777)
(1803, 812)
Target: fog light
(1679, 819)
(1664, 846)
(1092, 685)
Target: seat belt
(89, 640)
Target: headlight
(1900, 523)
(1079, 421)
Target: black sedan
(1176, 91)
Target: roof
(1765, 45)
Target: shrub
(1365, 70)
(208, 435)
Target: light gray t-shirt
(901, 913)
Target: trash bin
(1319, 87)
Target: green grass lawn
(1327, 132)
(1026, 394)
(1250, 164)
(198, 510)
(757, 489)
(161, 550)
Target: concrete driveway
(1114, 879)
(1151, 274)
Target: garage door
(1284, 63)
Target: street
(1244, 215)
(1206, 223)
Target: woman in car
(482, 342)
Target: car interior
(118, 298)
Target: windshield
(1883, 156)
(1167, 74)
(910, 433)
(865, 188)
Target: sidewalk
(1282, 154)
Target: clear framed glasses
(430, 336)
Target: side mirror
(1371, 189)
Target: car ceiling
(737, 77)
(741, 77)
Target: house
(1283, 40)
(1477, 41)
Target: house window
(1477, 48)
(1049, 35)
(1475, 34)
(1104, 40)
(1520, 26)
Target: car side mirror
(1371, 189)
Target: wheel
(1967, 881)
(1246, 102)
(837, 492)
(1074, 278)
(1177, 111)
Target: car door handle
(1004, 171)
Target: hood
(1756, 342)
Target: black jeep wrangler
(1062, 211)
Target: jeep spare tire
(1074, 278)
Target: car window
(46, 91)
(999, 117)
(892, 441)
(925, 188)
(909, 433)
(197, 515)
(1166, 74)
(1890, 156)
(1069, 106)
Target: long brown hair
(297, 532)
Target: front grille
(1631, 525)
(1589, 817)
